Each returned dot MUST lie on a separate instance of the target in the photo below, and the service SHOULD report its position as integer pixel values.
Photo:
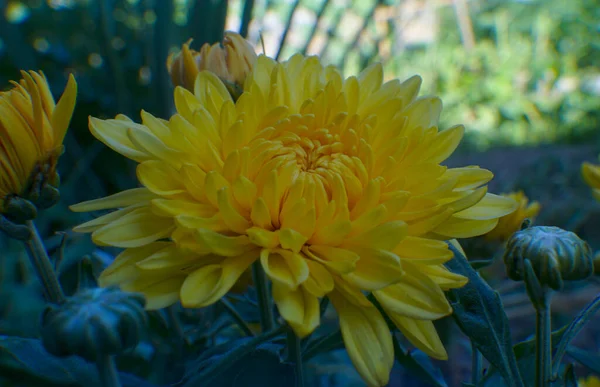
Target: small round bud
(49, 196)
(555, 256)
(19, 210)
(94, 323)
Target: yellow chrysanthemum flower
(231, 61)
(591, 175)
(32, 128)
(590, 381)
(509, 224)
(334, 185)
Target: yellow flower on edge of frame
(334, 185)
(32, 129)
(231, 61)
(509, 224)
(591, 175)
(590, 381)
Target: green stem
(543, 342)
(43, 266)
(295, 356)
(475, 365)
(264, 299)
(237, 317)
(108, 371)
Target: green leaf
(244, 364)
(574, 328)
(419, 364)
(479, 313)
(24, 361)
(589, 359)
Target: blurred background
(523, 76)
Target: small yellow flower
(333, 185)
(590, 381)
(509, 224)
(32, 128)
(231, 61)
(591, 175)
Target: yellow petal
(298, 307)
(443, 277)
(61, 116)
(134, 229)
(226, 246)
(283, 266)
(291, 239)
(423, 250)
(490, 207)
(591, 174)
(416, 296)
(422, 334)
(168, 258)
(375, 269)
(338, 260)
(121, 199)
(232, 218)
(367, 339)
(123, 268)
(260, 214)
(160, 178)
(143, 139)
(159, 293)
(319, 281)
(385, 236)
(208, 284)
(463, 228)
(175, 207)
(103, 220)
(113, 133)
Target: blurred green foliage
(532, 76)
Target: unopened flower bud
(19, 210)
(555, 255)
(230, 60)
(94, 323)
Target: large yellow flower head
(334, 185)
(509, 224)
(32, 129)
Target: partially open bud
(511, 223)
(230, 60)
(94, 323)
(555, 255)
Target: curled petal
(209, 283)
(367, 338)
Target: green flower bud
(555, 256)
(19, 210)
(94, 323)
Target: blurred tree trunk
(159, 42)
(208, 21)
